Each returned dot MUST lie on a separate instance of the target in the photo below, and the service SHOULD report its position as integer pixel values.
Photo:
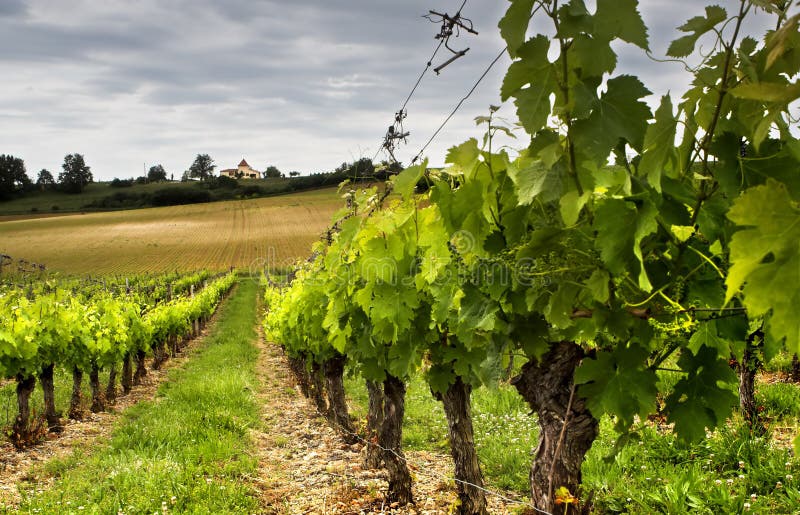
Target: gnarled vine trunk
(22, 424)
(565, 435)
(469, 478)
(794, 374)
(747, 369)
(98, 399)
(318, 389)
(111, 389)
(298, 367)
(141, 369)
(391, 437)
(48, 390)
(75, 411)
(373, 455)
(337, 403)
(159, 355)
(126, 381)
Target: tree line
(76, 175)
(14, 180)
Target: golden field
(243, 233)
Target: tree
(76, 174)
(272, 172)
(45, 179)
(294, 174)
(156, 174)
(203, 167)
(13, 178)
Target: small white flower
(718, 481)
(729, 481)
(789, 477)
(741, 464)
(778, 485)
(741, 476)
(747, 506)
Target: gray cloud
(304, 85)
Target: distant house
(243, 171)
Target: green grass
(656, 474)
(188, 450)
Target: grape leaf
(620, 19)
(598, 285)
(618, 114)
(765, 258)
(406, 181)
(514, 24)
(621, 227)
(708, 335)
(768, 91)
(704, 398)
(618, 383)
(698, 26)
(659, 152)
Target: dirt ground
(307, 468)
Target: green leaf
(768, 91)
(765, 258)
(571, 205)
(659, 153)
(682, 232)
(707, 334)
(704, 398)
(464, 156)
(406, 181)
(697, 26)
(597, 284)
(514, 24)
(620, 19)
(618, 114)
(530, 181)
(618, 383)
(621, 227)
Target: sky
(303, 85)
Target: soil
(306, 467)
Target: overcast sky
(304, 85)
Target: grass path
(186, 451)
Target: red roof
(243, 163)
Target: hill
(270, 231)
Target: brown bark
(469, 478)
(566, 435)
(794, 375)
(373, 455)
(141, 369)
(337, 403)
(127, 374)
(111, 388)
(298, 367)
(22, 424)
(75, 411)
(318, 389)
(391, 437)
(48, 390)
(747, 369)
(98, 399)
(160, 354)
